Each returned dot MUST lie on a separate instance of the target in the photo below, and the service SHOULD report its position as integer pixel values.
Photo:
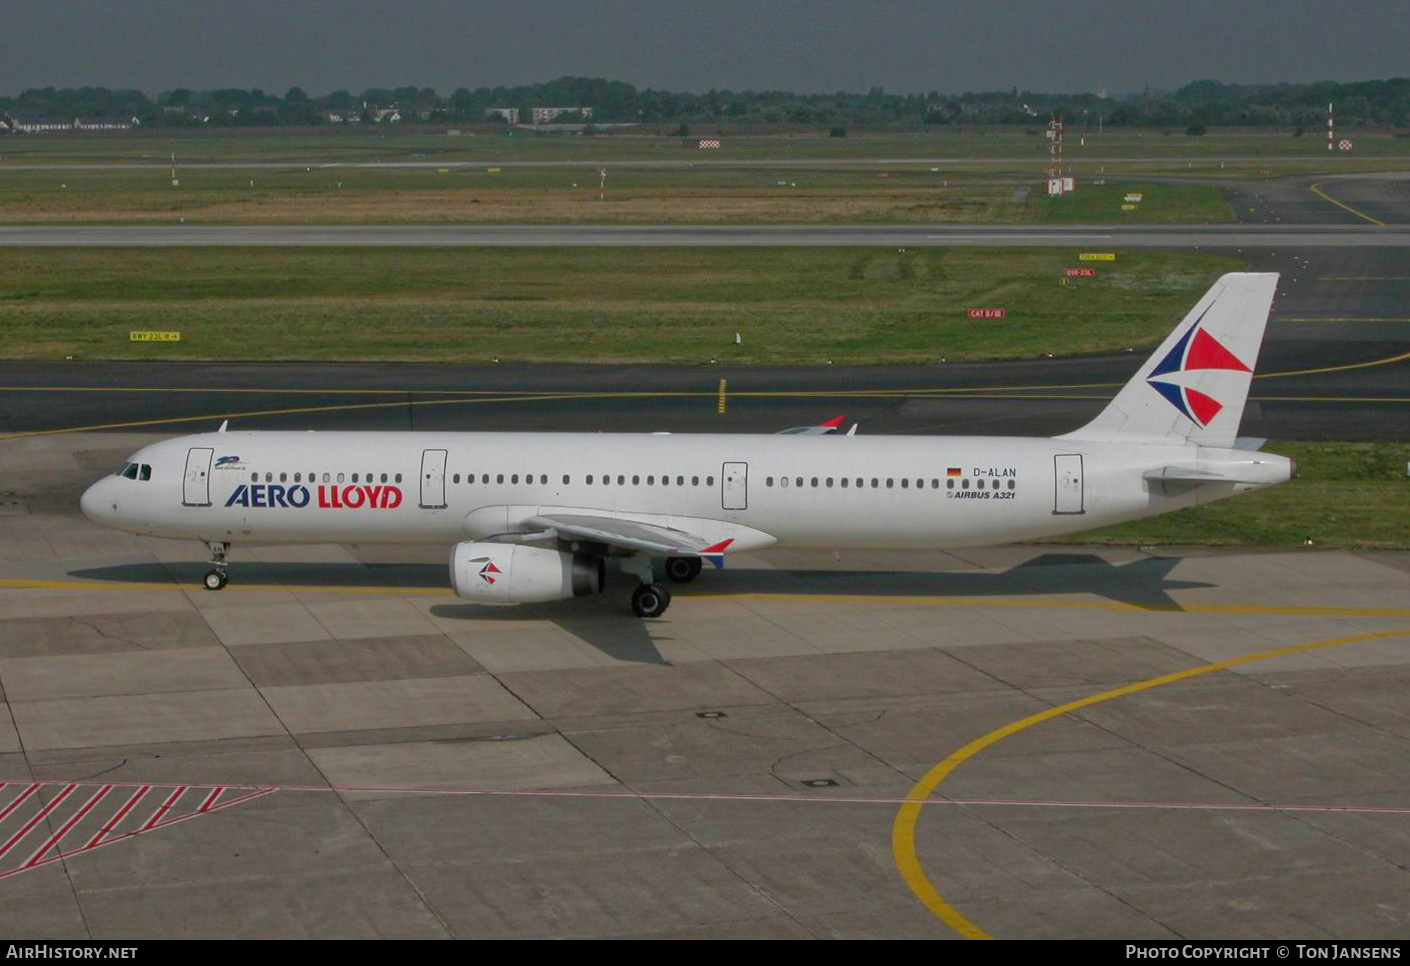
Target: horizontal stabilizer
(1189, 474)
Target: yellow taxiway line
(903, 829)
(1317, 190)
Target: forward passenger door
(196, 488)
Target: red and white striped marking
(79, 817)
(105, 815)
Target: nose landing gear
(216, 579)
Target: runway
(1033, 161)
(1101, 237)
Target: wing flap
(630, 535)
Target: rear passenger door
(1068, 495)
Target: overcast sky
(801, 45)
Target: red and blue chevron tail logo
(1196, 350)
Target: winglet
(223, 426)
(716, 553)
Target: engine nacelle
(502, 573)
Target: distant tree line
(1205, 103)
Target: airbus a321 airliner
(537, 516)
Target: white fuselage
(759, 490)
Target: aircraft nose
(94, 502)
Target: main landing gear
(682, 570)
(216, 579)
(650, 600)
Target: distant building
(105, 123)
(41, 125)
(38, 125)
(543, 115)
(386, 115)
(510, 114)
(341, 117)
(197, 115)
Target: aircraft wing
(631, 535)
(833, 425)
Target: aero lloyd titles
(354, 497)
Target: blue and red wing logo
(1197, 350)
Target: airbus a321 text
(538, 516)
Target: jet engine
(501, 573)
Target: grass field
(587, 305)
(1353, 495)
(973, 176)
(566, 196)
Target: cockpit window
(128, 471)
(145, 473)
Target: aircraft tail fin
(1193, 388)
